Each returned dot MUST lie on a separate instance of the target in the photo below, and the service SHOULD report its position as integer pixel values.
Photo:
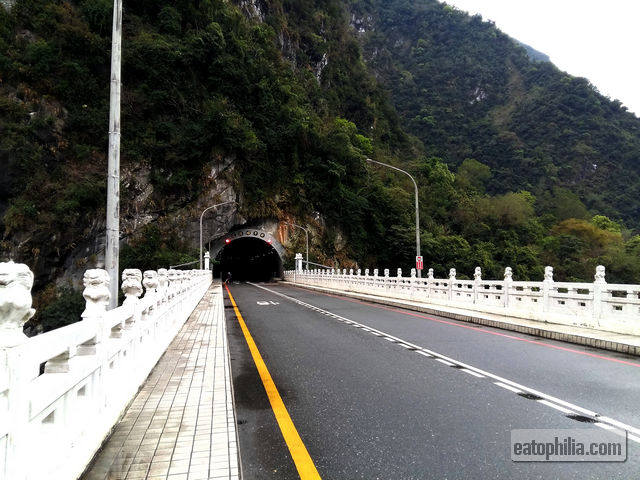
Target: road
(381, 393)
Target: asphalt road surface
(377, 392)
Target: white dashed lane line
(570, 410)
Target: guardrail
(597, 305)
(62, 392)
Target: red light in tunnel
(227, 240)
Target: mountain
(467, 90)
(277, 103)
(534, 54)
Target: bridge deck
(181, 425)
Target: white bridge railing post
(614, 308)
(61, 392)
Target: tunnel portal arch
(249, 254)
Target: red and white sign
(419, 264)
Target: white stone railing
(62, 392)
(596, 305)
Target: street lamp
(417, 210)
(202, 215)
(307, 234)
(112, 241)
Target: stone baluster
(173, 283)
(151, 283)
(163, 282)
(132, 289)
(430, 281)
(508, 282)
(16, 281)
(412, 286)
(131, 285)
(547, 285)
(96, 294)
(477, 283)
(452, 279)
(599, 286)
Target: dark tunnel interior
(248, 259)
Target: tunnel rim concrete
(245, 233)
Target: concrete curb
(616, 342)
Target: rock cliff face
(255, 9)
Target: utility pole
(112, 250)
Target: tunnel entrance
(248, 259)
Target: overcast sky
(595, 39)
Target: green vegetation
(518, 163)
(66, 308)
(152, 250)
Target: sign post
(419, 264)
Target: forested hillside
(518, 163)
(468, 91)
(204, 84)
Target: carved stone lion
(599, 276)
(131, 284)
(477, 274)
(163, 278)
(150, 281)
(508, 274)
(96, 292)
(548, 274)
(16, 281)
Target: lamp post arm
(415, 186)
(201, 216)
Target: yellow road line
(301, 458)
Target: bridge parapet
(597, 305)
(62, 392)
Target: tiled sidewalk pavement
(181, 425)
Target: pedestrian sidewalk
(617, 342)
(181, 425)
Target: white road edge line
(633, 432)
(557, 407)
(471, 372)
(445, 362)
(508, 387)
